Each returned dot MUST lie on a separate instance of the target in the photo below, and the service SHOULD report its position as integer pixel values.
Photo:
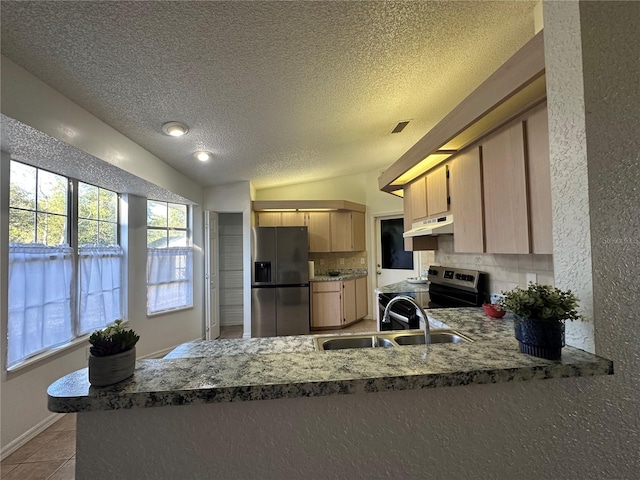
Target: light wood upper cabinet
(466, 202)
(269, 219)
(293, 219)
(419, 199)
(361, 297)
(505, 191)
(437, 194)
(539, 174)
(319, 229)
(347, 231)
(408, 216)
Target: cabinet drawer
(326, 286)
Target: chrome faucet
(419, 310)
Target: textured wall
(568, 154)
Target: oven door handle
(397, 316)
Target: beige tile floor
(52, 454)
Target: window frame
(72, 220)
(188, 229)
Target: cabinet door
(293, 219)
(419, 199)
(340, 231)
(269, 219)
(349, 301)
(361, 297)
(326, 310)
(358, 239)
(319, 228)
(466, 202)
(408, 215)
(437, 191)
(326, 304)
(539, 170)
(505, 192)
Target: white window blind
(169, 278)
(39, 299)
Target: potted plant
(112, 354)
(540, 312)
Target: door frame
(373, 260)
(211, 320)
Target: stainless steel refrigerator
(279, 281)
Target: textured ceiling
(280, 92)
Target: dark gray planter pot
(540, 338)
(111, 369)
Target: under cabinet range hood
(433, 226)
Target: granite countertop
(270, 368)
(404, 287)
(346, 274)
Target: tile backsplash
(331, 261)
(505, 271)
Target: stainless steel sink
(337, 342)
(434, 337)
(387, 340)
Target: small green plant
(114, 339)
(541, 302)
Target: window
(169, 257)
(64, 267)
(394, 255)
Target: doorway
(393, 263)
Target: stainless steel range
(447, 287)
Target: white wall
(350, 187)
(31, 101)
(23, 392)
(236, 198)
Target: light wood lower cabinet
(336, 304)
(326, 304)
(361, 298)
(349, 301)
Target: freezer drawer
(292, 307)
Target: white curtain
(39, 299)
(100, 286)
(169, 278)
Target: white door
(393, 264)
(212, 276)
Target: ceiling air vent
(400, 126)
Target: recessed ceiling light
(203, 156)
(175, 129)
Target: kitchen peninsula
(276, 408)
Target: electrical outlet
(362, 261)
(342, 261)
(495, 297)
(321, 261)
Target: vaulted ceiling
(280, 92)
